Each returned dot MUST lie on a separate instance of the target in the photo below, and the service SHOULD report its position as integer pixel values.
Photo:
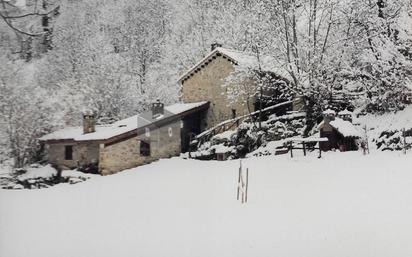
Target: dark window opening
(68, 152)
(144, 148)
(233, 113)
(45, 21)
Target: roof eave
(202, 62)
(158, 123)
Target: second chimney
(157, 109)
(89, 122)
(215, 45)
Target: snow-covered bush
(247, 138)
(37, 176)
(394, 140)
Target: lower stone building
(340, 132)
(163, 132)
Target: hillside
(344, 204)
(387, 122)
(117, 57)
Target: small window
(68, 152)
(233, 113)
(144, 148)
(45, 21)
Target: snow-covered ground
(344, 204)
(376, 124)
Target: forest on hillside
(115, 57)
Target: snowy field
(344, 204)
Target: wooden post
(404, 140)
(247, 183)
(190, 146)
(238, 179)
(260, 108)
(304, 148)
(320, 152)
(366, 138)
(243, 193)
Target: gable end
(204, 62)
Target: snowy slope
(344, 204)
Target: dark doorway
(192, 125)
(233, 113)
(144, 148)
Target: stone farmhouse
(208, 81)
(164, 131)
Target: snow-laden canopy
(120, 127)
(226, 135)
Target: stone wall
(83, 153)
(207, 85)
(120, 156)
(162, 144)
(126, 154)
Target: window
(45, 21)
(144, 148)
(233, 113)
(68, 152)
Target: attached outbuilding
(341, 134)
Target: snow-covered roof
(241, 59)
(307, 139)
(346, 128)
(225, 135)
(345, 112)
(180, 107)
(121, 126)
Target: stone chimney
(215, 45)
(157, 109)
(89, 122)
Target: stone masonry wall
(207, 85)
(120, 156)
(126, 154)
(161, 143)
(83, 153)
